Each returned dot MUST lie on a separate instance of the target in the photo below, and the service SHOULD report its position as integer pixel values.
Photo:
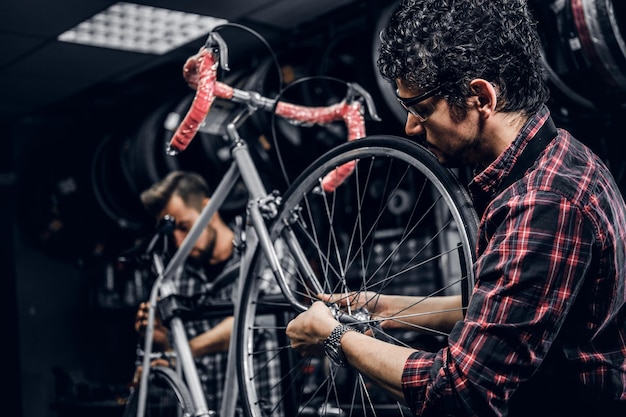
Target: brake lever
(216, 42)
(355, 91)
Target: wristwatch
(332, 345)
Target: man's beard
(202, 256)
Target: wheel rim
(355, 242)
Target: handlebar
(350, 110)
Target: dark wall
(7, 260)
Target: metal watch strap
(334, 342)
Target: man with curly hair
(544, 333)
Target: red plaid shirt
(545, 331)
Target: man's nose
(413, 125)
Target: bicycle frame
(242, 166)
(261, 205)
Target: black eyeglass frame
(408, 103)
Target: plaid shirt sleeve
(528, 276)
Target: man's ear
(485, 96)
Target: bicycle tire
(432, 253)
(167, 396)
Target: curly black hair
(427, 43)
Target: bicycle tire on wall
(431, 253)
(167, 396)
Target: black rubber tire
(167, 396)
(352, 246)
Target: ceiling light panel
(138, 28)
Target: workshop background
(84, 132)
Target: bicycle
(166, 393)
(377, 214)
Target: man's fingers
(339, 299)
(351, 299)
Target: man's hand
(382, 362)
(160, 339)
(379, 306)
(139, 370)
(308, 331)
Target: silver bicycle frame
(256, 233)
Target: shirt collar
(488, 180)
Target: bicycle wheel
(400, 224)
(167, 396)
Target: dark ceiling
(37, 71)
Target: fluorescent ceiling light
(137, 28)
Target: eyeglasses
(409, 103)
